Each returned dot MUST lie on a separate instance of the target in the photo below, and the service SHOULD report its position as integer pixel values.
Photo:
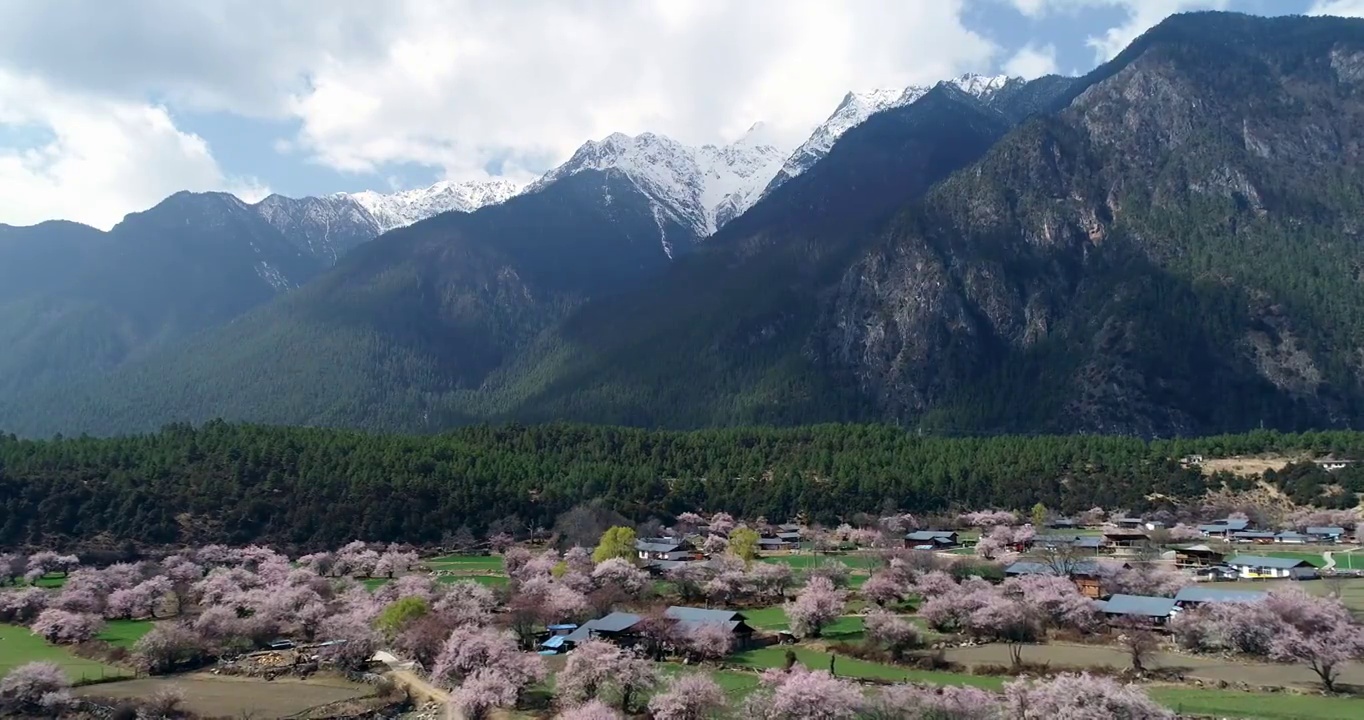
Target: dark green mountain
(403, 331)
(76, 302)
(1168, 245)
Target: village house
(931, 539)
(1254, 567)
(775, 544)
(622, 627)
(1086, 574)
(1195, 595)
(1257, 537)
(1325, 535)
(1224, 527)
(665, 549)
(1152, 610)
(1092, 543)
(1124, 538)
(1289, 537)
(1198, 556)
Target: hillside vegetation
(312, 487)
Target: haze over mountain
(1162, 246)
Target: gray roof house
(689, 617)
(1140, 606)
(1256, 567)
(1025, 567)
(931, 539)
(1326, 532)
(1195, 595)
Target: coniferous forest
(304, 487)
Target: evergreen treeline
(309, 487)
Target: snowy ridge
(700, 188)
(399, 209)
(857, 107)
(324, 227)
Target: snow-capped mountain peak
(858, 106)
(700, 188)
(983, 86)
(393, 210)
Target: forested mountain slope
(1175, 252)
(399, 327)
(76, 302)
(1169, 245)
(315, 488)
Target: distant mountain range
(1163, 246)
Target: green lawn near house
(18, 647)
(125, 633)
(50, 581)
(489, 580)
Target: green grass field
(125, 633)
(1314, 558)
(50, 581)
(1198, 701)
(18, 646)
(775, 657)
(805, 562)
(470, 563)
(1350, 561)
(1262, 706)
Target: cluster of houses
(1240, 531)
(626, 629)
(1158, 610)
(661, 554)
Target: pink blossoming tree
(818, 604)
(691, 696)
(800, 694)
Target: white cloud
(1140, 16)
(460, 84)
(1342, 8)
(1032, 62)
(97, 159)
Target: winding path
(421, 690)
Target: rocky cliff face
(1157, 258)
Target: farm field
(1351, 589)
(1261, 706)
(1203, 667)
(1311, 557)
(125, 633)
(1219, 703)
(19, 646)
(807, 561)
(467, 563)
(227, 696)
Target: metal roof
(929, 534)
(555, 642)
(1252, 534)
(1083, 567)
(1196, 594)
(658, 544)
(1140, 605)
(1198, 549)
(1267, 562)
(615, 622)
(702, 615)
(1325, 531)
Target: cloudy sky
(107, 107)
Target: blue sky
(105, 109)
